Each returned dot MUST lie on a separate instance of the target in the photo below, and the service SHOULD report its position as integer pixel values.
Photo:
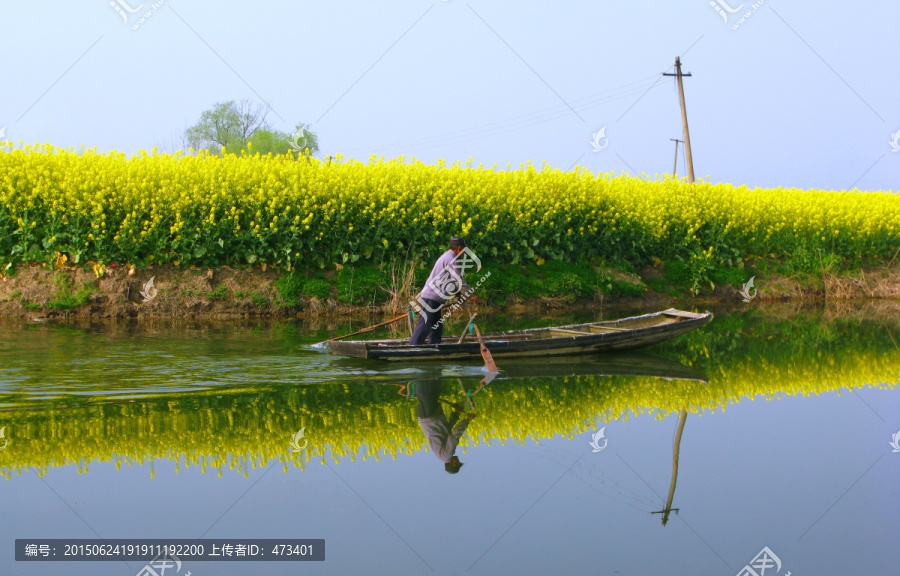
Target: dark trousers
(426, 321)
(428, 392)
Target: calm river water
(785, 458)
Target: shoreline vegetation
(38, 292)
(82, 233)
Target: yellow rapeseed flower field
(202, 209)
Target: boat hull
(612, 336)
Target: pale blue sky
(802, 94)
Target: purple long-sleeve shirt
(443, 437)
(444, 278)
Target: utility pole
(687, 136)
(675, 451)
(675, 163)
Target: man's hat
(457, 242)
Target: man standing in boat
(444, 282)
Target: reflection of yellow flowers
(211, 210)
(198, 429)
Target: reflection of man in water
(443, 435)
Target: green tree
(266, 140)
(241, 127)
(228, 124)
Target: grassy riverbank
(71, 292)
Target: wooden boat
(607, 336)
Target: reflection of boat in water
(637, 364)
(621, 364)
(608, 336)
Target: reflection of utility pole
(687, 136)
(675, 162)
(665, 511)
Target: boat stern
(353, 349)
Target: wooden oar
(485, 353)
(462, 336)
(469, 403)
(488, 378)
(411, 320)
(369, 329)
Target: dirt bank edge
(121, 292)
